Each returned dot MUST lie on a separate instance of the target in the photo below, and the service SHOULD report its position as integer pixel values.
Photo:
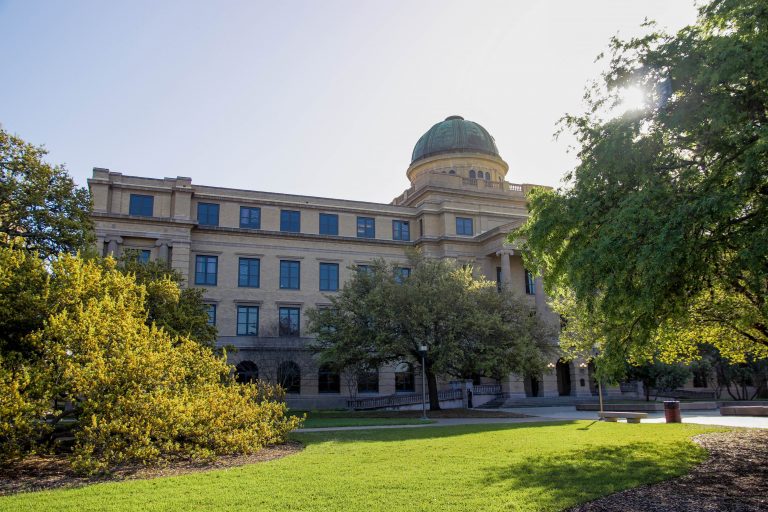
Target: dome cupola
(454, 135)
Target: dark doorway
(532, 386)
(563, 370)
(592, 378)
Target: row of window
(290, 220)
(329, 380)
(248, 320)
(249, 273)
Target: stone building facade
(264, 258)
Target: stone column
(515, 386)
(506, 266)
(162, 252)
(581, 378)
(549, 382)
(113, 246)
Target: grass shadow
(583, 474)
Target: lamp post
(423, 354)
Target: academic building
(264, 258)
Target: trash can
(672, 411)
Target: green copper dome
(454, 135)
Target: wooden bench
(631, 417)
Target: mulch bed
(734, 478)
(37, 473)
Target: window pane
(463, 226)
(141, 205)
(289, 322)
(290, 221)
(401, 230)
(248, 273)
(366, 227)
(404, 379)
(208, 214)
(205, 269)
(144, 256)
(329, 224)
(530, 284)
(289, 275)
(247, 320)
(250, 217)
(211, 313)
(329, 277)
(368, 381)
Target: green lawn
(467, 468)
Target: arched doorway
(246, 371)
(563, 370)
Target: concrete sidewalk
(701, 417)
(568, 413)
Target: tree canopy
(468, 326)
(40, 202)
(658, 239)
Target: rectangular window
(366, 227)
(329, 224)
(290, 221)
(402, 273)
(144, 255)
(289, 275)
(206, 269)
(207, 214)
(464, 226)
(329, 277)
(141, 205)
(211, 310)
(401, 230)
(289, 322)
(248, 272)
(250, 217)
(498, 278)
(366, 269)
(247, 320)
(530, 284)
(421, 228)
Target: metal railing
(380, 402)
(486, 389)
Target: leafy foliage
(40, 202)
(180, 311)
(135, 391)
(661, 232)
(659, 376)
(468, 327)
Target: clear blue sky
(322, 98)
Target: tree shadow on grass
(582, 474)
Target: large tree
(658, 238)
(40, 202)
(469, 327)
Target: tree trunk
(434, 401)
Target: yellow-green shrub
(140, 393)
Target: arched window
(404, 380)
(328, 380)
(368, 380)
(246, 371)
(289, 376)
(472, 175)
(451, 172)
(487, 175)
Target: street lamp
(423, 354)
